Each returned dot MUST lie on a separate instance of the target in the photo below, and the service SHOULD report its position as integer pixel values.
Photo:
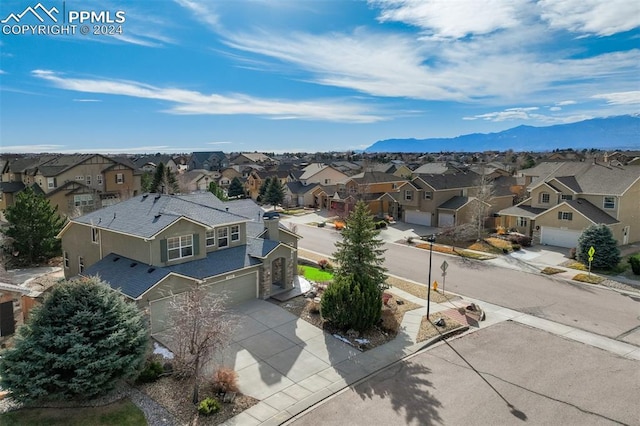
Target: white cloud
(202, 12)
(555, 108)
(566, 103)
(600, 17)
(190, 102)
(219, 143)
(451, 18)
(620, 98)
(2, 72)
(526, 113)
(87, 100)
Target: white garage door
(445, 220)
(417, 218)
(559, 237)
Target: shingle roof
(299, 188)
(11, 187)
(454, 203)
(146, 215)
(592, 212)
(312, 169)
(432, 168)
(451, 181)
(374, 177)
(522, 210)
(598, 178)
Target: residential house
(438, 168)
(393, 168)
(197, 180)
(208, 160)
(152, 247)
(258, 177)
(569, 197)
(374, 188)
(253, 158)
(148, 163)
(448, 199)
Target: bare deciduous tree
(199, 325)
(480, 207)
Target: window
(211, 237)
(66, 260)
(235, 232)
(99, 179)
(545, 197)
(119, 178)
(79, 177)
(428, 195)
(95, 235)
(223, 237)
(180, 247)
(80, 264)
(83, 200)
(327, 181)
(567, 197)
(394, 186)
(522, 222)
(408, 195)
(609, 202)
(88, 179)
(565, 215)
(51, 183)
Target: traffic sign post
(591, 252)
(444, 267)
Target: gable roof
(11, 187)
(451, 181)
(298, 188)
(588, 210)
(311, 170)
(454, 203)
(146, 215)
(590, 178)
(432, 168)
(365, 178)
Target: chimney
(272, 225)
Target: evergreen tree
(275, 192)
(599, 237)
(354, 299)
(146, 182)
(164, 180)
(235, 188)
(33, 226)
(359, 252)
(217, 191)
(78, 344)
(263, 189)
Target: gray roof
(454, 203)
(592, 212)
(11, 187)
(590, 178)
(148, 214)
(374, 177)
(298, 188)
(133, 278)
(451, 181)
(432, 168)
(522, 210)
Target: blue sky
(303, 75)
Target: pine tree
(164, 180)
(33, 226)
(263, 189)
(235, 188)
(217, 191)
(275, 192)
(360, 253)
(600, 237)
(78, 344)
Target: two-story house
(566, 198)
(374, 188)
(257, 177)
(307, 187)
(208, 160)
(448, 199)
(152, 247)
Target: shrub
(225, 380)
(591, 279)
(339, 225)
(321, 224)
(322, 263)
(151, 372)
(380, 225)
(635, 264)
(352, 302)
(209, 406)
(523, 240)
(515, 247)
(300, 270)
(572, 253)
(599, 237)
(501, 230)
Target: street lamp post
(431, 239)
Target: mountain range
(611, 133)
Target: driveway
(516, 374)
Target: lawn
(122, 412)
(316, 274)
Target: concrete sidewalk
(291, 365)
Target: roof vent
(157, 197)
(150, 270)
(145, 196)
(226, 208)
(116, 259)
(133, 264)
(158, 215)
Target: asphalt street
(507, 374)
(595, 309)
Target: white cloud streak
(528, 113)
(188, 102)
(620, 98)
(599, 17)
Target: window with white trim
(180, 247)
(51, 183)
(609, 203)
(408, 195)
(566, 197)
(235, 232)
(210, 236)
(88, 180)
(95, 235)
(65, 255)
(327, 181)
(394, 186)
(80, 264)
(119, 178)
(79, 177)
(99, 179)
(223, 237)
(565, 215)
(428, 195)
(522, 222)
(83, 200)
(545, 197)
